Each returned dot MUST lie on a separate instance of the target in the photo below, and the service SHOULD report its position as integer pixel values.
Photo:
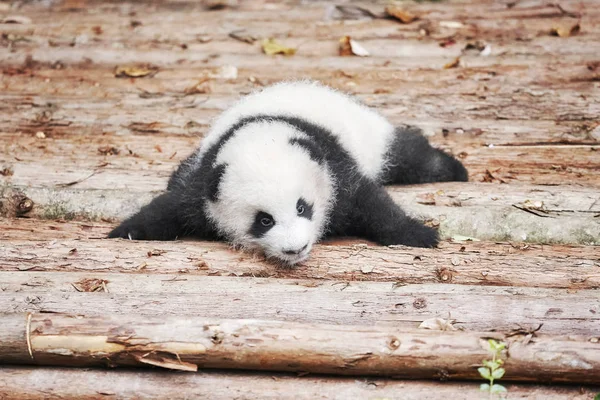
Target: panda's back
(364, 133)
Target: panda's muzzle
(290, 252)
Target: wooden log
(475, 308)
(483, 218)
(27, 383)
(470, 263)
(188, 343)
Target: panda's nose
(290, 252)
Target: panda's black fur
(361, 207)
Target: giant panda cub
(289, 165)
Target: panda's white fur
(265, 173)
(360, 130)
(286, 165)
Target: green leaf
(499, 373)
(498, 389)
(484, 372)
(486, 387)
(597, 397)
(496, 346)
(492, 365)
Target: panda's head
(271, 192)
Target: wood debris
(90, 285)
(243, 36)
(350, 47)
(453, 64)
(108, 150)
(16, 19)
(438, 324)
(135, 71)
(565, 29)
(400, 14)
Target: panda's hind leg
(411, 159)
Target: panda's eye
(304, 209)
(263, 223)
(266, 221)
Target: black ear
(213, 179)
(311, 148)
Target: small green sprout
(492, 370)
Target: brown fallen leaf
(16, 19)
(156, 253)
(108, 150)
(350, 47)
(453, 64)
(400, 14)
(135, 71)
(566, 29)
(271, 47)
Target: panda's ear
(213, 179)
(314, 152)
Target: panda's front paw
(128, 230)
(422, 236)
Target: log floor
(99, 102)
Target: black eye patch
(263, 222)
(303, 209)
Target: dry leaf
(453, 64)
(438, 324)
(271, 47)
(401, 15)
(16, 19)
(566, 29)
(349, 47)
(133, 71)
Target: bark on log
(475, 308)
(186, 344)
(472, 263)
(27, 383)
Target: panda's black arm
(411, 160)
(376, 217)
(159, 220)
